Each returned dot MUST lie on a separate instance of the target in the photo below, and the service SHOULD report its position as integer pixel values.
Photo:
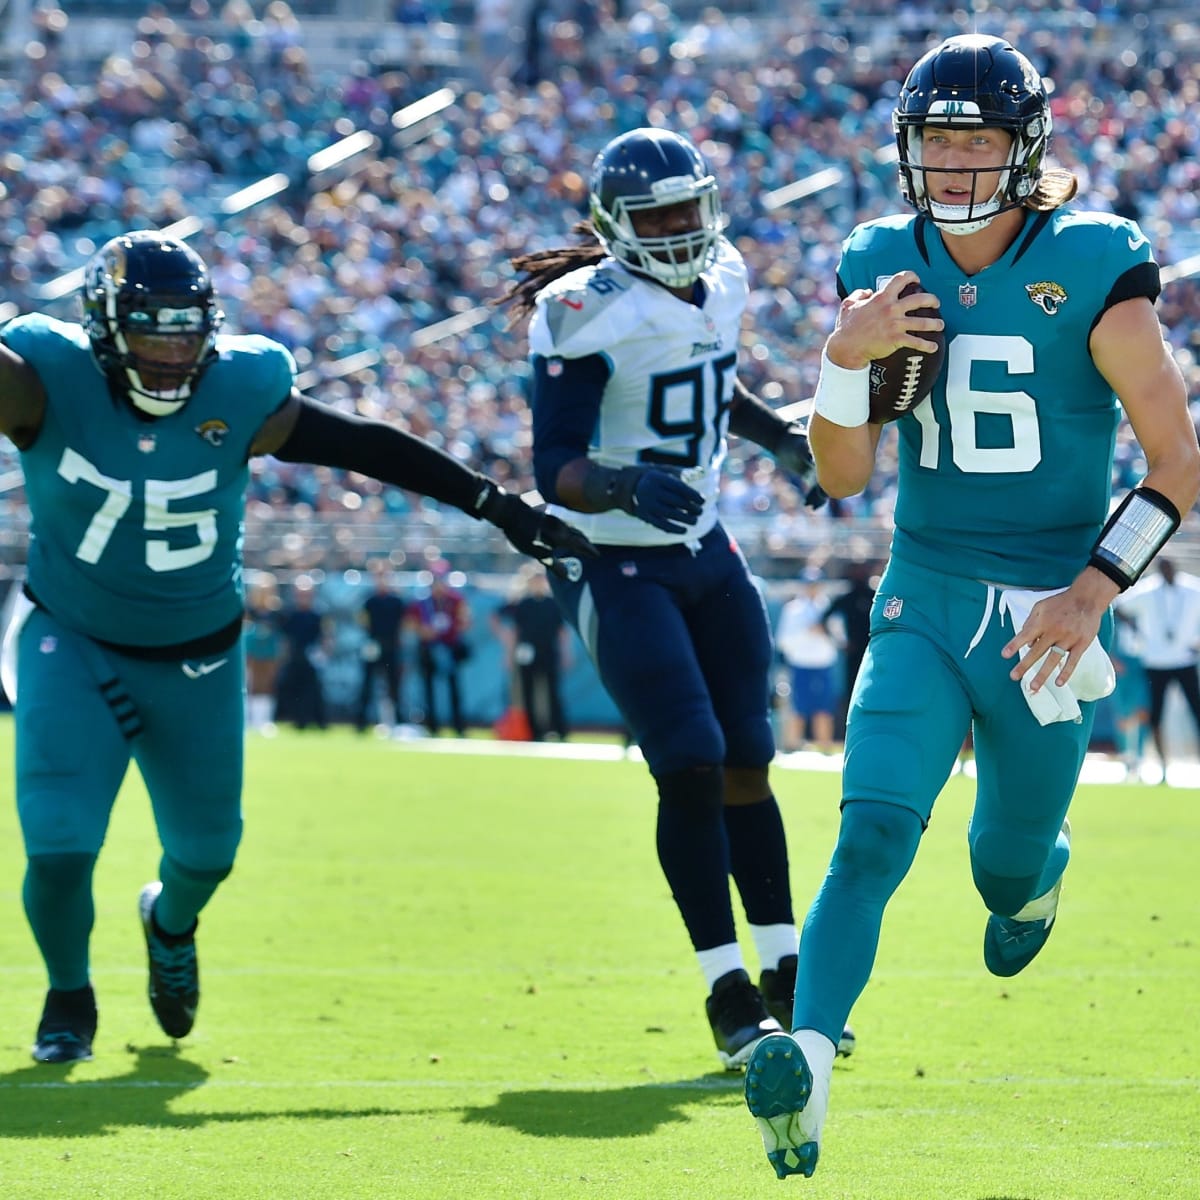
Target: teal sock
(184, 893)
(58, 905)
(875, 848)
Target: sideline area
(1097, 768)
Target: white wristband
(843, 396)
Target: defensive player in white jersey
(994, 607)
(634, 342)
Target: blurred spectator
(849, 613)
(441, 620)
(537, 650)
(382, 616)
(264, 653)
(811, 655)
(1130, 699)
(1166, 610)
(299, 695)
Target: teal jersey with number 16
(1005, 470)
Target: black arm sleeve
(566, 406)
(754, 420)
(328, 438)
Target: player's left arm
(1128, 349)
(786, 441)
(301, 430)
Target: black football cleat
(67, 1028)
(738, 1017)
(174, 983)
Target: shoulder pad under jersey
(264, 364)
(36, 329)
(886, 237)
(585, 312)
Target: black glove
(533, 531)
(792, 454)
(658, 496)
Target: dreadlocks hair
(543, 267)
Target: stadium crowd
(348, 266)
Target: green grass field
(445, 975)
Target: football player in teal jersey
(993, 611)
(634, 345)
(135, 429)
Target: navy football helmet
(655, 168)
(146, 285)
(973, 81)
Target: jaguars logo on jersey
(1049, 297)
(213, 432)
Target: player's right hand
(658, 496)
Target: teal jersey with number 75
(136, 525)
(1005, 470)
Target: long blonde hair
(1053, 190)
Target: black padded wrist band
(1133, 535)
(606, 488)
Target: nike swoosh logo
(1138, 240)
(577, 305)
(198, 672)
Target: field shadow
(603, 1112)
(43, 1101)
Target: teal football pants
(932, 673)
(83, 711)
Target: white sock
(1040, 908)
(258, 710)
(819, 1053)
(774, 942)
(720, 960)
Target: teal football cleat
(174, 982)
(779, 1095)
(1010, 944)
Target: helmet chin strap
(946, 216)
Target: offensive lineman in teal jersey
(995, 602)
(135, 430)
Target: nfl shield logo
(146, 443)
(967, 292)
(893, 608)
(629, 569)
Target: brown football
(903, 379)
